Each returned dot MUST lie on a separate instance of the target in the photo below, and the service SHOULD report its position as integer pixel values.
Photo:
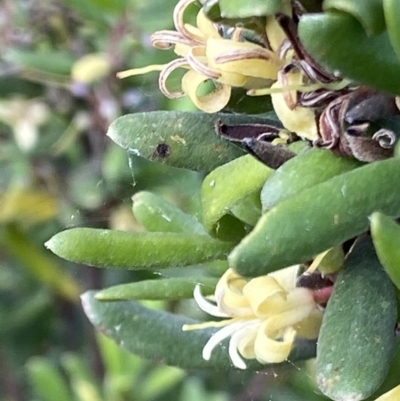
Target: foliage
(278, 239)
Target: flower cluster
(208, 55)
(270, 67)
(263, 316)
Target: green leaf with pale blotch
(368, 12)
(180, 139)
(229, 184)
(340, 44)
(386, 236)
(158, 336)
(131, 250)
(169, 289)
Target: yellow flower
(263, 316)
(24, 116)
(392, 395)
(209, 56)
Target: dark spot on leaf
(162, 151)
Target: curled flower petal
(309, 327)
(392, 395)
(210, 103)
(206, 305)
(300, 120)
(242, 57)
(164, 40)
(298, 306)
(180, 26)
(230, 287)
(196, 60)
(206, 26)
(286, 277)
(275, 34)
(265, 295)
(269, 350)
(166, 71)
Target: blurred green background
(58, 95)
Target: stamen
(219, 336)
(167, 70)
(236, 338)
(205, 305)
(140, 71)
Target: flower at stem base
(209, 56)
(263, 316)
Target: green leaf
(369, 13)
(229, 184)
(328, 214)
(181, 139)
(309, 168)
(386, 235)
(357, 328)
(234, 9)
(158, 335)
(156, 214)
(339, 43)
(61, 62)
(169, 289)
(83, 383)
(391, 9)
(159, 381)
(38, 263)
(131, 250)
(47, 382)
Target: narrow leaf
(158, 335)
(386, 235)
(169, 289)
(224, 187)
(131, 250)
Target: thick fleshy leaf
(392, 18)
(340, 44)
(325, 215)
(158, 335)
(307, 169)
(386, 235)
(180, 139)
(368, 12)
(224, 187)
(158, 215)
(131, 250)
(169, 288)
(47, 382)
(360, 315)
(80, 377)
(242, 9)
